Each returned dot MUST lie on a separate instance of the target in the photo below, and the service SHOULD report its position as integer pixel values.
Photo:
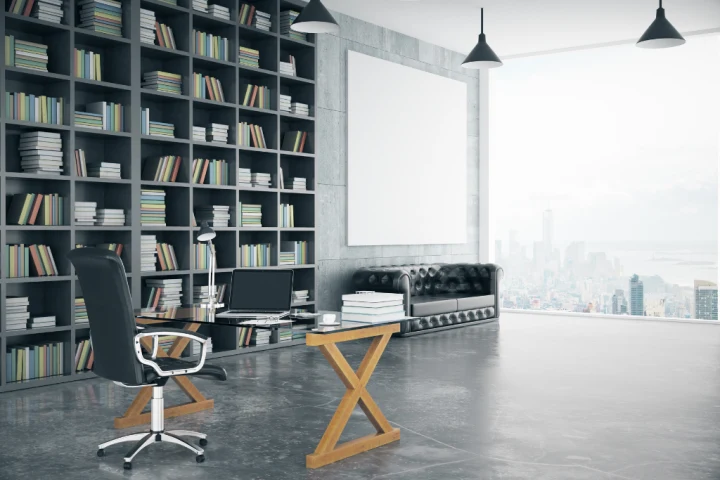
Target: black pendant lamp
(660, 33)
(482, 56)
(315, 18)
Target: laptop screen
(261, 290)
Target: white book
(388, 317)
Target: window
(604, 180)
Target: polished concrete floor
(529, 398)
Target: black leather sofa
(441, 295)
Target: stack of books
(250, 135)
(24, 54)
(34, 361)
(89, 120)
(287, 17)
(104, 170)
(166, 292)
(217, 133)
(249, 57)
(85, 213)
(42, 109)
(287, 258)
(293, 252)
(165, 82)
(219, 11)
(110, 217)
(211, 172)
(216, 215)
(262, 21)
(166, 257)
(250, 215)
(257, 96)
(300, 296)
(149, 127)
(255, 255)
(148, 253)
(300, 330)
(147, 26)
(48, 321)
(260, 337)
(101, 115)
(36, 209)
(200, 5)
(285, 103)
(84, 356)
(16, 313)
(80, 163)
(287, 216)
(103, 16)
(207, 87)
(244, 177)
(195, 348)
(41, 152)
(209, 45)
(81, 315)
(302, 109)
(294, 141)
(18, 259)
(86, 64)
(199, 134)
(372, 307)
(295, 183)
(48, 10)
(285, 334)
(165, 37)
(200, 256)
(201, 293)
(289, 67)
(260, 179)
(162, 169)
(152, 208)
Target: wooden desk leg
(327, 450)
(133, 415)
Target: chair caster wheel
(127, 466)
(203, 442)
(101, 453)
(200, 458)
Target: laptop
(260, 294)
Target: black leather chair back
(110, 311)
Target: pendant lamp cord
(660, 3)
(482, 20)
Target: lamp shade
(206, 233)
(315, 18)
(482, 56)
(660, 33)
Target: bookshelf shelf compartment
(96, 236)
(13, 157)
(99, 147)
(177, 206)
(114, 55)
(57, 240)
(52, 298)
(256, 238)
(32, 25)
(106, 196)
(162, 7)
(304, 208)
(56, 40)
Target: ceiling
(515, 27)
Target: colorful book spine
(34, 361)
(87, 64)
(31, 108)
(209, 45)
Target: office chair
(118, 352)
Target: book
(373, 297)
(87, 64)
(162, 169)
(387, 317)
(294, 141)
(209, 45)
(373, 310)
(32, 108)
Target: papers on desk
(266, 321)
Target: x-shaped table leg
(328, 451)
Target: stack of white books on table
(199, 134)
(41, 152)
(260, 179)
(287, 68)
(200, 5)
(260, 337)
(104, 170)
(147, 26)
(148, 253)
(285, 103)
(110, 217)
(244, 178)
(217, 133)
(48, 10)
(217, 215)
(375, 307)
(85, 213)
(296, 183)
(219, 11)
(300, 296)
(47, 321)
(300, 109)
(16, 313)
(170, 291)
(262, 21)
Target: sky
(622, 144)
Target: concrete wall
(336, 261)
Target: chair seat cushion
(432, 305)
(478, 301)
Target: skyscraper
(498, 250)
(637, 300)
(548, 227)
(706, 300)
(619, 303)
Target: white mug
(328, 318)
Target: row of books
(289, 67)
(87, 64)
(250, 135)
(162, 169)
(21, 259)
(113, 247)
(201, 293)
(207, 87)
(148, 253)
(210, 172)
(165, 82)
(84, 356)
(150, 127)
(251, 336)
(293, 253)
(103, 16)
(257, 96)
(32, 108)
(47, 10)
(80, 309)
(200, 259)
(41, 152)
(294, 141)
(166, 257)
(249, 57)
(165, 37)
(249, 215)
(255, 255)
(287, 216)
(152, 208)
(209, 45)
(287, 17)
(36, 209)
(24, 54)
(250, 16)
(34, 361)
(164, 292)
(372, 307)
(217, 215)
(102, 115)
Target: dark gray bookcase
(124, 60)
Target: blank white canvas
(407, 154)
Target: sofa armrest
(384, 279)
(496, 275)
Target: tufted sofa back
(426, 279)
